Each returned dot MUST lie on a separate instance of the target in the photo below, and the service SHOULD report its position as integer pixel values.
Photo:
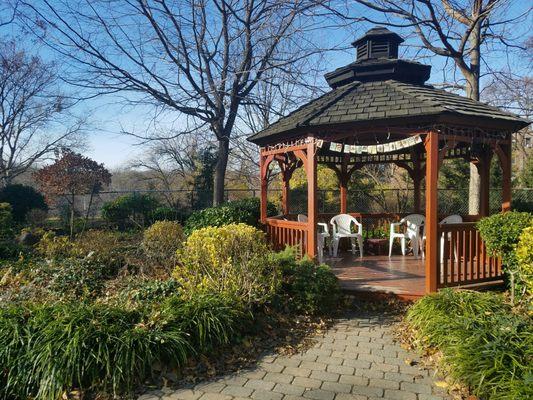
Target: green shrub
(46, 350)
(245, 211)
(500, 232)
(165, 213)
(484, 344)
(6, 221)
(130, 210)
(23, 199)
(162, 240)
(228, 259)
(306, 288)
(524, 257)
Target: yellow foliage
(524, 256)
(229, 259)
(53, 247)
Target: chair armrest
(359, 227)
(393, 226)
(324, 226)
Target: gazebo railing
(465, 259)
(282, 231)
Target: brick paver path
(356, 359)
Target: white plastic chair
(450, 219)
(413, 223)
(320, 236)
(342, 228)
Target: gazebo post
(264, 185)
(431, 228)
(484, 175)
(417, 180)
(506, 161)
(343, 185)
(312, 212)
(504, 152)
(285, 191)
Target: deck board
(400, 275)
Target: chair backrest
(342, 223)
(413, 223)
(452, 219)
(302, 218)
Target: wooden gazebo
(379, 110)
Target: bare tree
(514, 93)
(8, 11)
(464, 31)
(34, 119)
(200, 58)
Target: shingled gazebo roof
(385, 91)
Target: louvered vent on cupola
(378, 42)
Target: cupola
(377, 60)
(378, 42)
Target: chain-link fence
(365, 201)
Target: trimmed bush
(484, 344)
(245, 211)
(228, 259)
(166, 213)
(46, 350)
(501, 233)
(162, 240)
(23, 199)
(131, 210)
(524, 257)
(306, 288)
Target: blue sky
(107, 145)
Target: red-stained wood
(431, 225)
(503, 152)
(264, 187)
(312, 206)
(465, 260)
(484, 174)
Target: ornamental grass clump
(49, 350)
(484, 344)
(231, 259)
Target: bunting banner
(377, 148)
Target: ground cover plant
(485, 343)
(102, 312)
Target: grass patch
(484, 343)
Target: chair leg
(391, 242)
(415, 243)
(352, 241)
(422, 244)
(403, 246)
(360, 241)
(335, 246)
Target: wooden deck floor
(399, 275)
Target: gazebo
(380, 110)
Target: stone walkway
(356, 359)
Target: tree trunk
(472, 92)
(220, 171)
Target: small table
(376, 247)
